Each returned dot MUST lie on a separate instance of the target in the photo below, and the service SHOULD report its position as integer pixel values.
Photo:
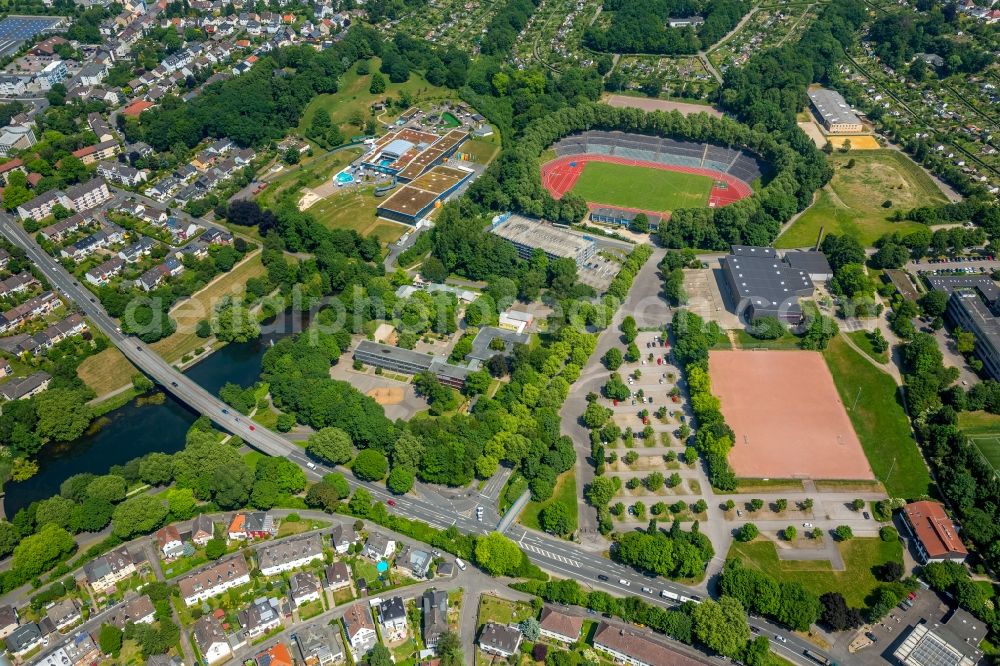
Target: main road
(556, 555)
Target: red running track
(560, 175)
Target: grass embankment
(109, 370)
(312, 171)
(564, 493)
(852, 203)
(856, 581)
(871, 399)
(353, 98)
(786, 341)
(356, 210)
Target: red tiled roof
(934, 529)
(135, 108)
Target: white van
(460, 564)
(670, 595)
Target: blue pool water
(382, 566)
(385, 163)
(343, 178)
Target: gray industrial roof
(832, 106)
(811, 262)
(551, 240)
(481, 343)
(765, 280)
(981, 283)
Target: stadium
(620, 174)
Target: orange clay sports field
(786, 414)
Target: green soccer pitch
(644, 188)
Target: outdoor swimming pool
(343, 178)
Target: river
(139, 428)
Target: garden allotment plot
(642, 188)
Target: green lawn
(641, 187)
(983, 429)
(353, 97)
(856, 582)
(861, 339)
(502, 611)
(853, 202)
(356, 210)
(879, 420)
(312, 171)
(565, 494)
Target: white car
(807, 524)
(622, 581)
(479, 512)
(311, 465)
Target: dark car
(601, 577)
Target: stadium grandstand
(671, 152)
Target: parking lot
(887, 633)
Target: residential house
(25, 387)
(64, 614)
(214, 580)
(82, 650)
(392, 617)
(88, 195)
(24, 639)
(33, 307)
(169, 540)
(560, 626)
(137, 250)
(58, 231)
(419, 562)
(16, 284)
(276, 655)
(379, 546)
(41, 206)
(202, 529)
(102, 273)
(211, 640)
(10, 167)
(360, 628)
(13, 85)
(260, 617)
(304, 587)
(121, 173)
(5, 371)
(103, 573)
(289, 554)
(337, 576)
(500, 640)
(99, 126)
(97, 152)
(256, 525)
(215, 236)
(434, 616)
(343, 537)
(625, 646)
(151, 279)
(138, 610)
(8, 620)
(319, 645)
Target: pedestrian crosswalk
(550, 555)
